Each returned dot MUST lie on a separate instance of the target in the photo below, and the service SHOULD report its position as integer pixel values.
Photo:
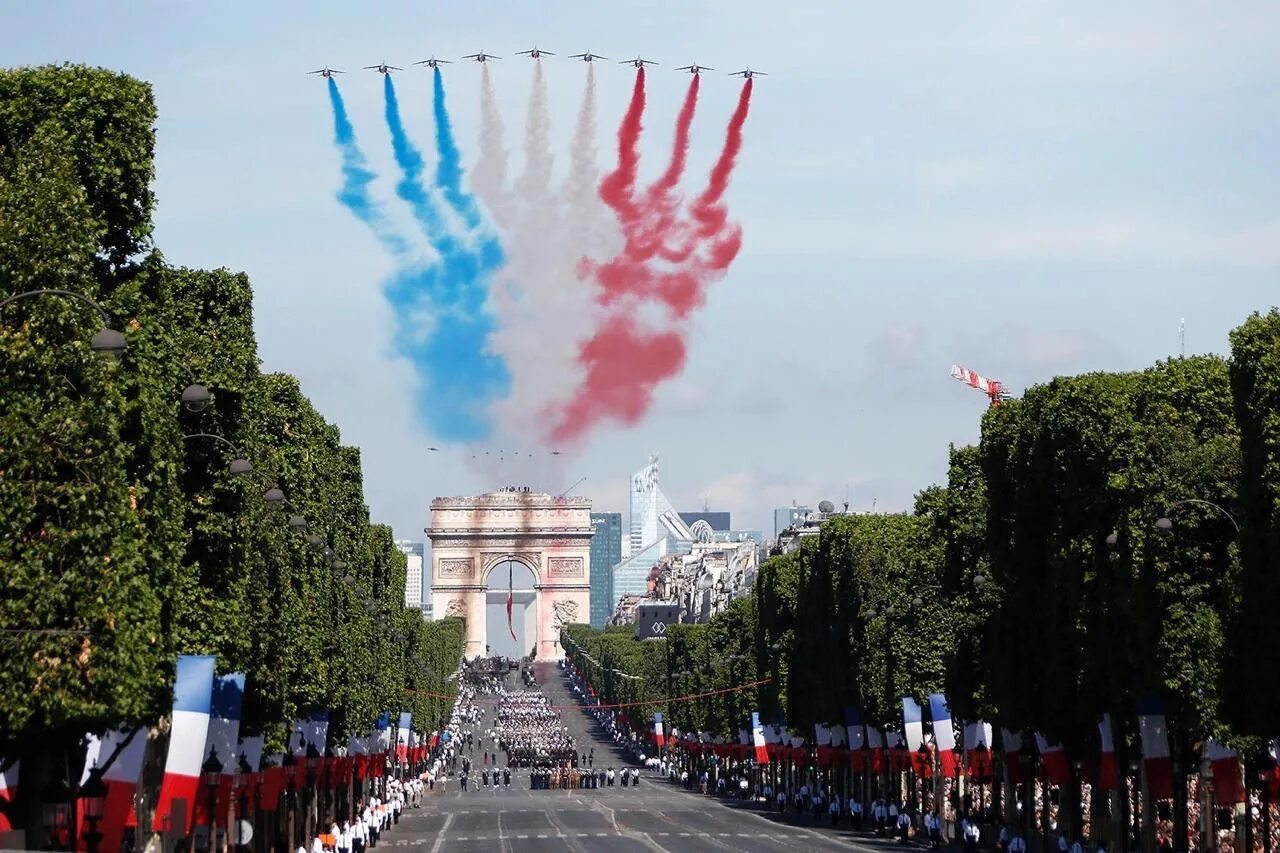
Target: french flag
(8, 790)
(913, 728)
(659, 736)
(977, 746)
(944, 733)
(1055, 761)
(192, 699)
(1227, 781)
(857, 738)
(223, 738)
(273, 782)
(876, 743)
(1155, 748)
(1108, 769)
(383, 731)
(757, 739)
(118, 754)
(402, 738)
(1012, 742)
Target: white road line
(444, 829)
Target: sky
(1027, 189)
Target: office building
(648, 506)
(415, 554)
(717, 520)
(606, 552)
(788, 516)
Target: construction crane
(993, 388)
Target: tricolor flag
(273, 782)
(511, 599)
(1108, 769)
(192, 698)
(977, 747)
(224, 734)
(1155, 748)
(402, 737)
(383, 731)
(875, 742)
(913, 728)
(1055, 761)
(118, 754)
(8, 789)
(857, 738)
(251, 753)
(1228, 787)
(1012, 742)
(757, 739)
(659, 736)
(944, 735)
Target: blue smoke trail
(356, 177)
(443, 321)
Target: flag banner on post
(9, 768)
(188, 731)
(1108, 769)
(298, 749)
(273, 782)
(838, 747)
(913, 728)
(402, 736)
(317, 729)
(1155, 748)
(944, 734)
(857, 738)
(977, 748)
(757, 739)
(1055, 761)
(876, 745)
(118, 754)
(822, 737)
(383, 731)
(659, 737)
(511, 599)
(1228, 783)
(222, 740)
(1012, 743)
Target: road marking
(444, 829)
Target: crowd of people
(530, 731)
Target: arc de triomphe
(549, 535)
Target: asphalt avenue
(655, 816)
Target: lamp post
(244, 774)
(55, 813)
(239, 465)
(210, 772)
(290, 770)
(1164, 522)
(313, 765)
(107, 341)
(93, 798)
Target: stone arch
(532, 562)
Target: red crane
(993, 388)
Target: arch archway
(473, 537)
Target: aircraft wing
(472, 56)
(393, 68)
(525, 52)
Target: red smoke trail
(624, 362)
(618, 187)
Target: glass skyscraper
(606, 552)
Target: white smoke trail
(489, 177)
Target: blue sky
(1027, 189)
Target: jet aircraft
(747, 74)
(482, 56)
(382, 68)
(432, 62)
(695, 68)
(535, 53)
(588, 56)
(327, 72)
(637, 62)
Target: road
(655, 816)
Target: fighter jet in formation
(588, 56)
(382, 68)
(747, 74)
(327, 72)
(637, 62)
(432, 62)
(695, 68)
(481, 56)
(535, 53)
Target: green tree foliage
(1253, 700)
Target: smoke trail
(623, 361)
(490, 174)
(618, 187)
(356, 177)
(409, 188)
(534, 186)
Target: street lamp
(195, 397)
(93, 796)
(210, 772)
(274, 495)
(239, 465)
(106, 341)
(1164, 522)
(55, 813)
(297, 522)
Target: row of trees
(1041, 586)
(125, 541)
